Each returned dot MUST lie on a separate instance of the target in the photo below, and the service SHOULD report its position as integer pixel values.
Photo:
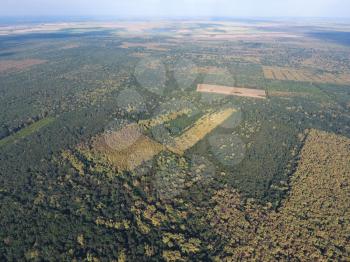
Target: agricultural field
(217, 140)
(288, 74)
(227, 90)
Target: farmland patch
(236, 91)
(290, 74)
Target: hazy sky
(166, 8)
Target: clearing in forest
(18, 65)
(199, 130)
(128, 148)
(227, 90)
(26, 131)
(128, 158)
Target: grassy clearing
(199, 130)
(128, 158)
(26, 131)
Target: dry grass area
(137, 150)
(17, 65)
(290, 74)
(199, 130)
(235, 91)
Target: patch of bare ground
(235, 91)
(18, 65)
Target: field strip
(289, 75)
(149, 123)
(235, 91)
(26, 131)
(199, 130)
(278, 74)
(268, 73)
(300, 75)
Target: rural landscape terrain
(179, 140)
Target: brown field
(199, 130)
(285, 73)
(289, 75)
(17, 65)
(268, 73)
(236, 91)
(279, 74)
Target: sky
(176, 8)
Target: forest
(108, 151)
